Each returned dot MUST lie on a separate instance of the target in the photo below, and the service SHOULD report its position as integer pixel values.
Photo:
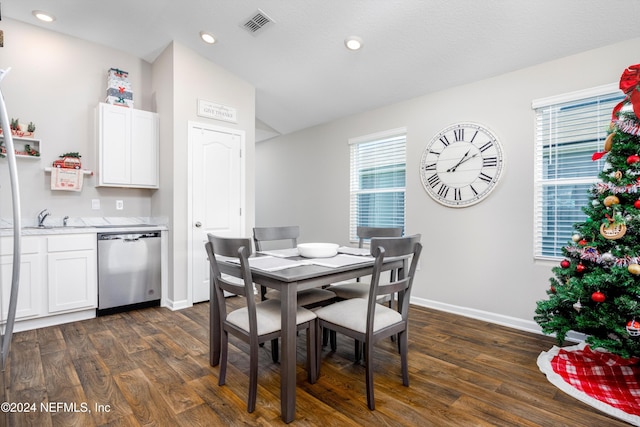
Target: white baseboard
(175, 305)
(499, 319)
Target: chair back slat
(365, 233)
(269, 234)
(393, 287)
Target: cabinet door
(72, 272)
(30, 290)
(144, 149)
(114, 144)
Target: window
(378, 176)
(569, 129)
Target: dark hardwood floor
(150, 368)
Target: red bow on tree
(629, 82)
(630, 85)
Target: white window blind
(569, 129)
(378, 176)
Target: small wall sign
(216, 111)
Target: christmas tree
(596, 288)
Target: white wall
(56, 82)
(478, 260)
(180, 78)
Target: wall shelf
(19, 143)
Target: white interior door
(217, 195)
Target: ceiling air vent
(257, 23)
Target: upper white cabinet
(128, 147)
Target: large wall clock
(461, 165)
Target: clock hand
(462, 160)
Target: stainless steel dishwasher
(129, 271)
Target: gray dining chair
(256, 322)
(358, 288)
(368, 321)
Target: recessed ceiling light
(207, 38)
(43, 16)
(353, 43)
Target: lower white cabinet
(72, 272)
(30, 289)
(58, 279)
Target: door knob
(198, 224)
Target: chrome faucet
(44, 213)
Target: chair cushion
(268, 316)
(352, 314)
(306, 297)
(351, 290)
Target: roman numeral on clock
(486, 146)
(430, 167)
(444, 140)
(485, 177)
(474, 137)
(443, 190)
(433, 180)
(458, 134)
(489, 162)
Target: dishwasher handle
(129, 237)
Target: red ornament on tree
(580, 268)
(634, 158)
(553, 289)
(598, 296)
(636, 204)
(565, 263)
(633, 328)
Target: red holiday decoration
(634, 158)
(553, 289)
(629, 82)
(582, 242)
(580, 268)
(636, 204)
(633, 328)
(598, 296)
(565, 263)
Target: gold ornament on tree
(613, 231)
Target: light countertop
(87, 225)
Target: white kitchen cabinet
(30, 289)
(72, 272)
(128, 147)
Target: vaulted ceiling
(302, 72)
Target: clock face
(461, 165)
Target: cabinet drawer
(29, 245)
(71, 242)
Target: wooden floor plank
(147, 404)
(150, 367)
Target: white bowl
(318, 250)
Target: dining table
(289, 279)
